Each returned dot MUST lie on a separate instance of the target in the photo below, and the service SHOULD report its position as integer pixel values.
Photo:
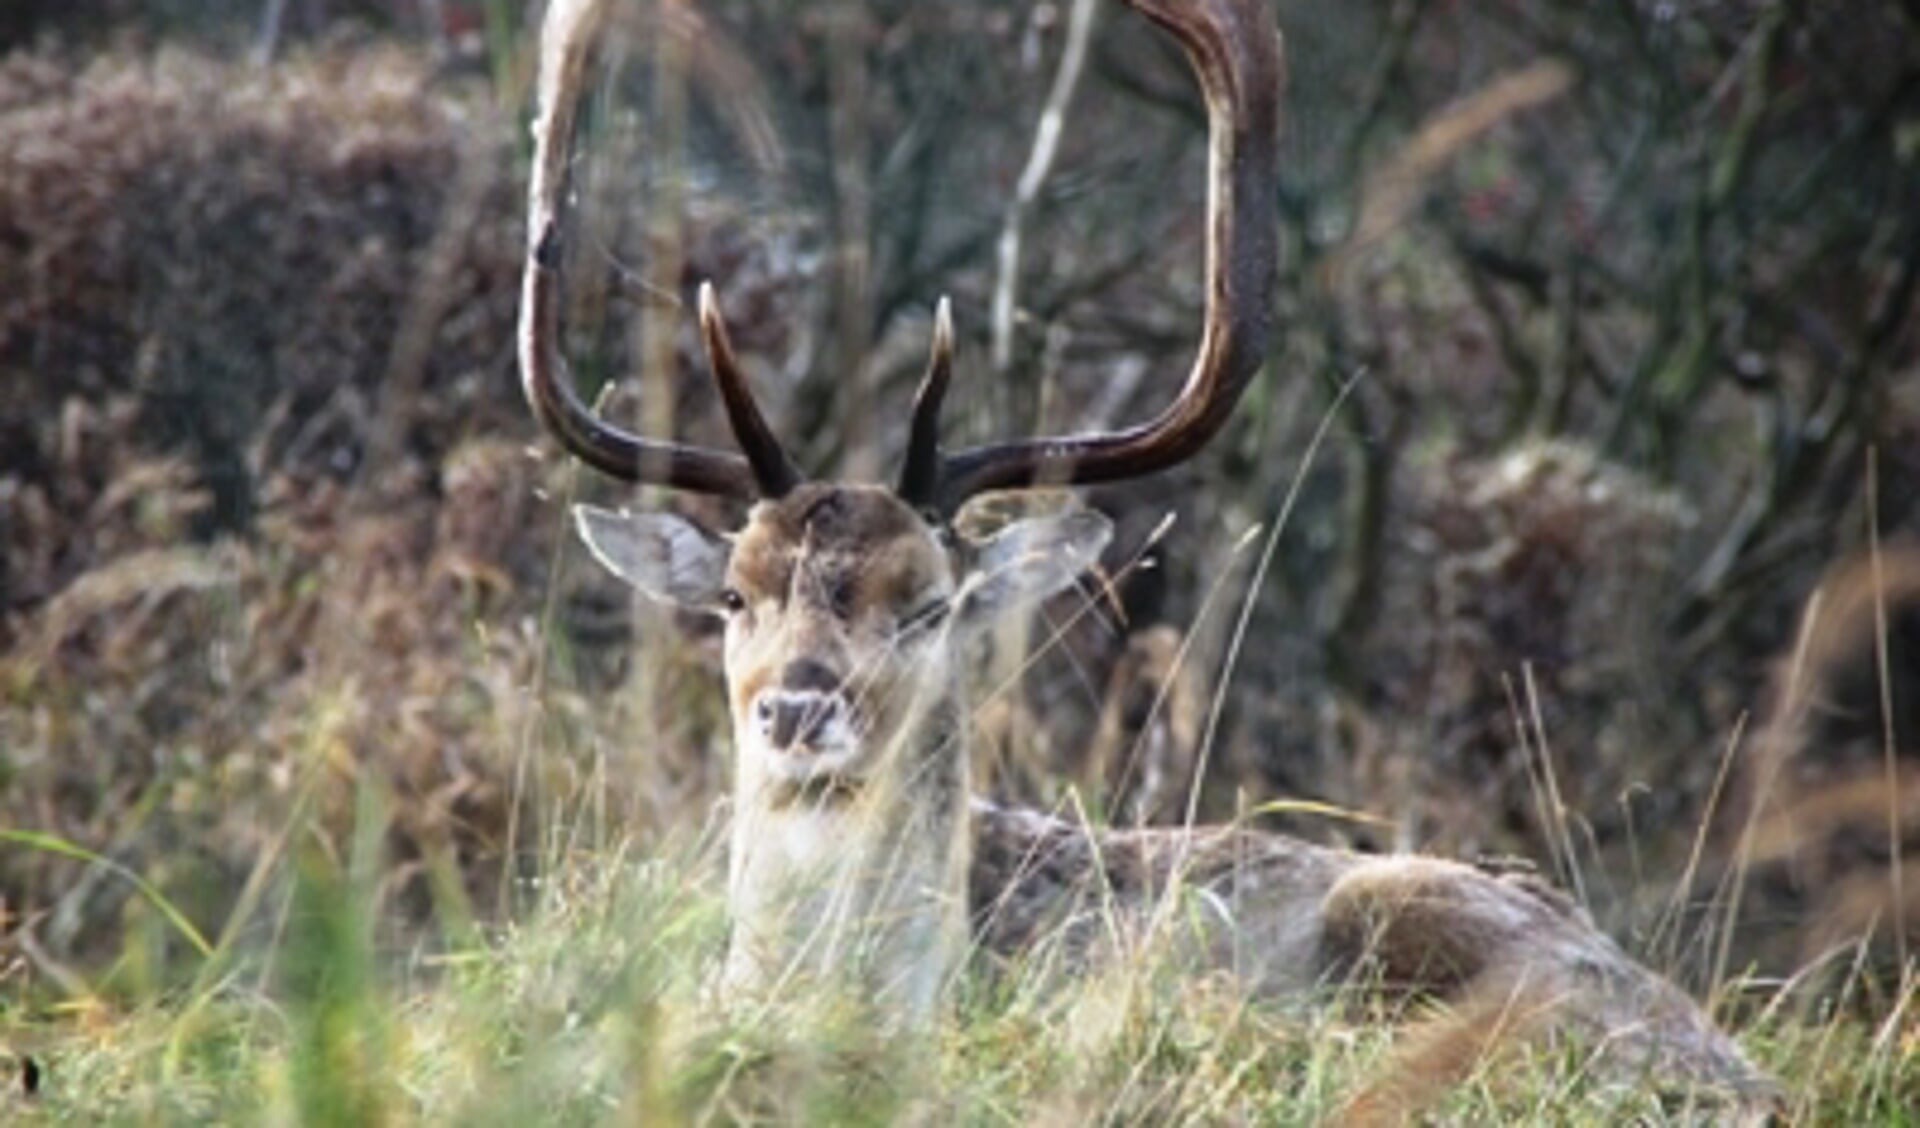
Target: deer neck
(864, 882)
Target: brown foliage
(238, 287)
(1819, 849)
(232, 250)
(1522, 586)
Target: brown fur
(1292, 919)
(860, 542)
(1141, 758)
(863, 557)
(844, 873)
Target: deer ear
(1028, 560)
(667, 557)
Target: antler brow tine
(773, 471)
(920, 479)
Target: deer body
(858, 857)
(1294, 921)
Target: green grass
(597, 1007)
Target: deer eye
(731, 601)
(924, 617)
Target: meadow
(1571, 528)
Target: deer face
(842, 607)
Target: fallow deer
(857, 852)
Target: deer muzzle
(790, 720)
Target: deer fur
(858, 856)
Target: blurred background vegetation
(1610, 306)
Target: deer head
(843, 601)
(841, 604)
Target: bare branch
(1046, 146)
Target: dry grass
(596, 1008)
(288, 629)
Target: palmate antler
(1234, 50)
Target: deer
(857, 852)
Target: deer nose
(809, 674)
(787, 717)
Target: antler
(766, 471)
(920, 479)
(1234, 49)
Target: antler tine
(567, 40)
(920, 479)
(1234, 50)
(773, 471)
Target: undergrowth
(599, 1007)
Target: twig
(663, 229)
(267, 44)
(1889, 747)
(1519, 359)
(1678, 378)
(430, 299)
(1385, 75)
(1800, 451)
(1046, 146)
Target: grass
(320, 1000)
(592, 1000)
(597, 1008)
